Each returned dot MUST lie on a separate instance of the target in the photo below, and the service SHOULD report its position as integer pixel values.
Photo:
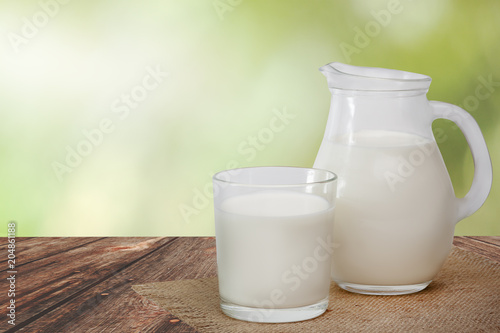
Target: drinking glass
(274, 242)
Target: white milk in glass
(274, 249)
(394, 211)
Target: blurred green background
(155, 96)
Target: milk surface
(273, 249)
(395, 211)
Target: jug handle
(483, 173)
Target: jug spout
(348, 77)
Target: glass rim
(331, 176)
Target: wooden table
(84, 284)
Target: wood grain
(495, 240)
(123, 310)
(48, 283)
(34, 249)
(488, 247)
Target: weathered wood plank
(48, 283)
(483, 248)
(112, 306)
(494, 240)
(41, 247)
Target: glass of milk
(274, 242)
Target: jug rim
(350, 77)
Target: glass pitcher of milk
(396, 209)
